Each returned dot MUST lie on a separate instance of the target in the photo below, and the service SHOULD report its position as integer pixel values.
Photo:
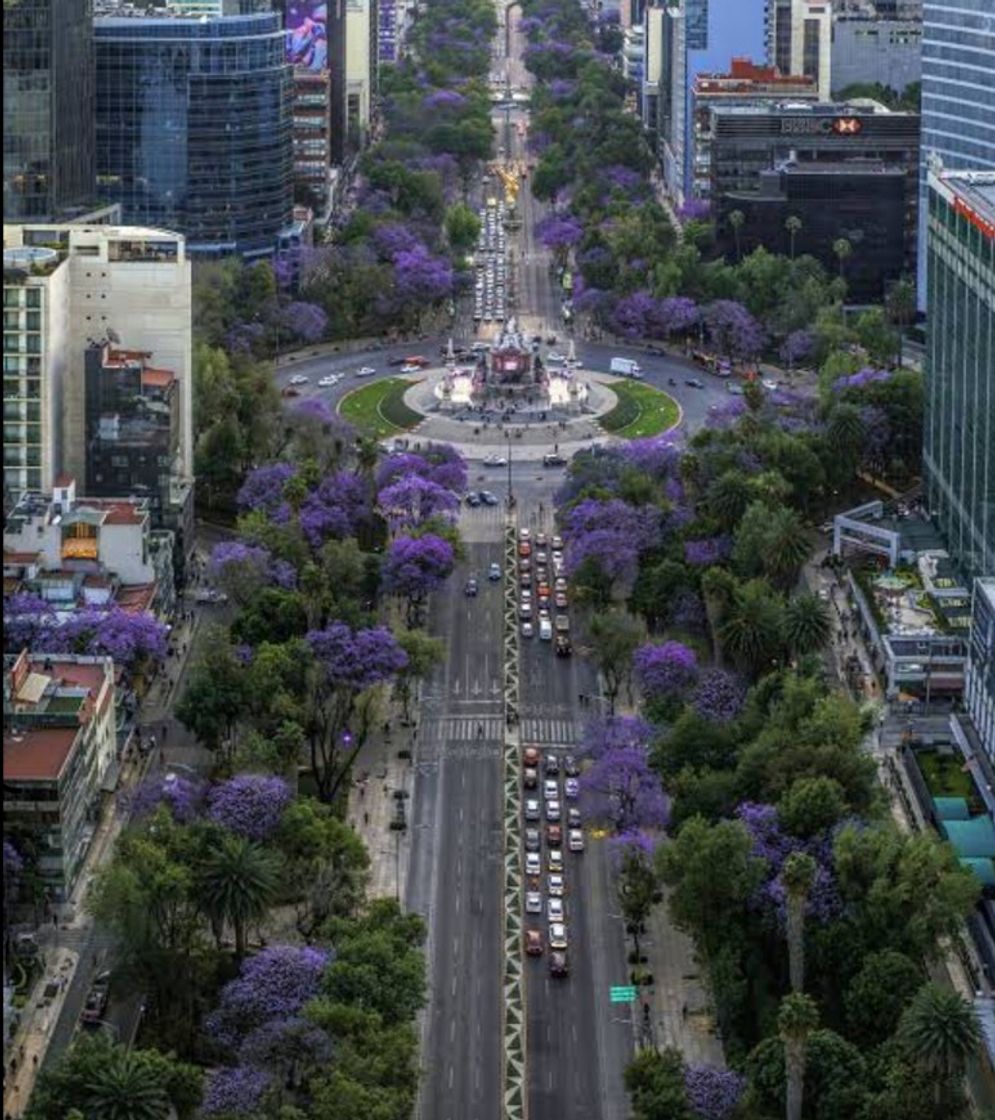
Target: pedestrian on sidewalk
(684, 1013)
(366, 818)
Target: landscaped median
(641, 411)
(378, 409)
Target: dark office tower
(194, 127)
(48, 108)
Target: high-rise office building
(361, 68)
(979, 687)
(958, 92)
(959, 430)
(811, 42)
(869, 49)
(194, 127)
(48, 108)
(699, 37)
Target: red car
(530, 757)
(533, 942)
(417, 360)
(289, 391)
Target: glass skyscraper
(48, 108)
(958, 93)
(959, 445)
(194, 120)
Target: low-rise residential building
(59, 757)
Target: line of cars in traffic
(542, 590)
(328, 381)
(549, 820)
(491, 273)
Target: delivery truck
(626, 367)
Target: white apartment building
(812, 43)
(360, 67)
(65, 287)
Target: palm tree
(718, 587)
(751, 632)
(846, 432)
(367, 456)
(940, 1033)
(728, 498)
(901, 308)
(842, 250)
(793, 225)
(238, 884)
(125, 1088)
(797, 875)
(806, 625)
(796, 1019)
(736, 220)
(787, 546)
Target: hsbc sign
(821, 126)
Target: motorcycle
(671, 381)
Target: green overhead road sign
(622, 995)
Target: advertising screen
(307, 34)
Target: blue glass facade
(194, 127)
(958, 93)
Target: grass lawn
(641, 411)
(943, 775)
(378, 409)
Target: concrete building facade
(868, 49)
(979, 693)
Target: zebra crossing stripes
(462, 728)
(554, 732)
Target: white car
(550, 789)
(575, 840)
(555, 356)
(554, 910)
(571, 789)
(528, 630)
(533, 864)
(557, 936)
(493, 460)
(365, 371)
(532, 810)
(328, 381)
(555, 859)
(533, 902)
(769, 383)
(406, 368)
(300, 379)
(554, 884)
(553, 810)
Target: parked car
(553, 460)
(473, 500)
(96, 999)
(488, 498)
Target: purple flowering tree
(866, 376)
(240, 569)
(249, 805)
(134, 641)
(719, 695)
(666, 670)
(713, 1093)
(608, 733)
(349, 664)
(26, 618)
(184, 797)
(797, 347)
(236, 1091)
(608, 536)
(622, 792)
(306, 322)
(407, 503)
(335, 509)
(282, 1046)
(732, 329)
(420, 280)
(559, 233)
(13, 867)
(695, 210)
(264, 491)
(314, 430)
(708, 551)
(678, 314)
(636, 315)
(276, 983)
(440, 463)
(416, 566)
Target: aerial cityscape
(499, 560)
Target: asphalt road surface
(455, 874)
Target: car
(406, 368)
(327, 381)
(528, 630)
(533, 902)
(556, 544)
(533, 839)
(554, 886)
(300, 379)
(543, 590)
(397, 361)
(525, 564)
(542, 573)
(550, 788)
(541, 558)
(557, 558)
(96, 999)
(524, 548)
(532, 812)
(694, 383)
(557, 936)
(366, 371)
(533, 864)
(769, 383)
(570, 767)
(525, 533)
(551, 764)
(561, 600)
(558, 965)
(575, 840)
(560, 584)
(419, 361)
(530, 777)
(553, 810)
(533, 943)
(488, 498)
(530, 757)
(473, 500)
(554, 909)
(540, 540)
(471, 588)
(525, 594)
(563, 646)
(495, 461)
(525, 611)
(555, 356)
(571, 789)
(289, 391)
(554, 858)
(525, 579)
(494, 571)
(573, 817)
(554, 835)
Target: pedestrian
(684, 1012)
(480, 731)
(366, 818)
(55, 919)
(165, 731)
(34, 1060)
(362, 792)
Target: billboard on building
(307, 34)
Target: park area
(379, 410)
(641, 411)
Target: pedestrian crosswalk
(550, 732)
(445, 736)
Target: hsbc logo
(822, 126)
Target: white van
(545, 630)
(626, 367)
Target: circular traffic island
(640, 411)
(380, 409)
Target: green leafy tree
(806, 624)
(811, 806)
(638, 891)
(797, 875)
(655, 1083)
(842, 251)
(728, 498)
(878, 994)
(216, 696)
(877, 336)
(424, 653)
(772, 542)
(751, 631)
(238, 881)
(615, 636)
(940, 1032)
(900, 307)
(462, 228)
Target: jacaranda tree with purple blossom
(719, 695)
(240, 569)
(249, 805)
(235, 1092)
(732, 329)
(622, 792)
(264, 490)
(416, 566)
(713, 1093)
(348, 665)
(335, 509)
(409, 502)
(666, 669)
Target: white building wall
(357, 60)
(804, 12)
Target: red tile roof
(119, 512)
(11, 557)
(136, 597)
(38, 754)
(158, 378)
